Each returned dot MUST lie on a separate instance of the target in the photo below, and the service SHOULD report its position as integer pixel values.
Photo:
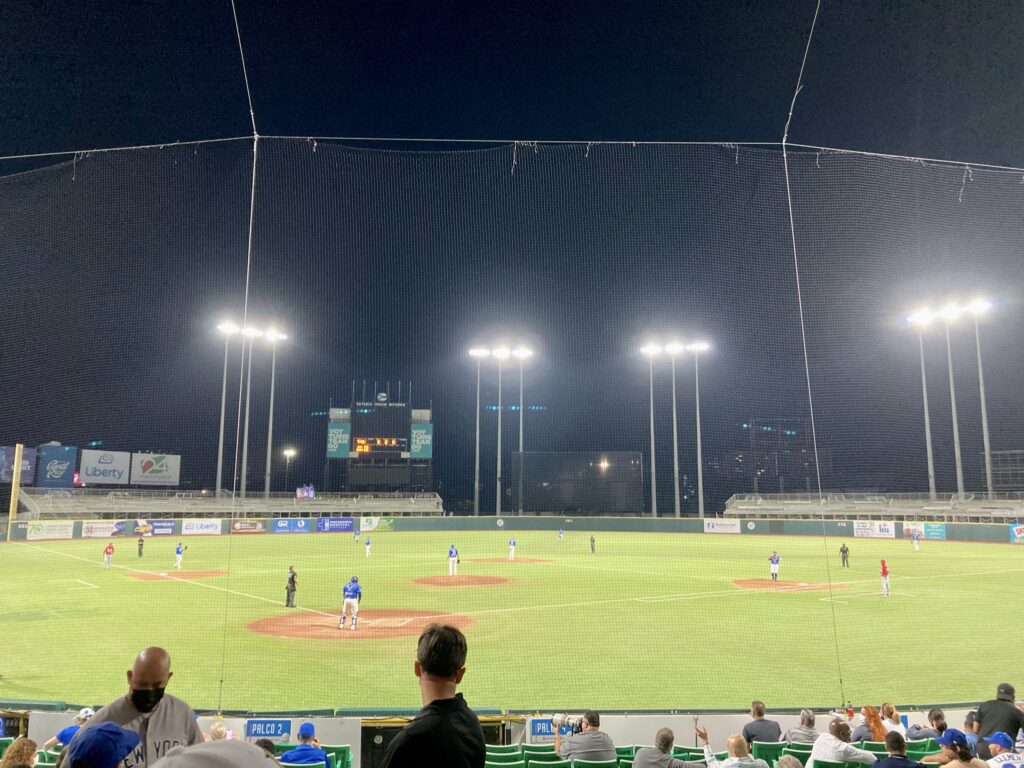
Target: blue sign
(28, 464)
(338, 436)
(334, 525)
(421, 444)
(152, 528)
(540, 729)
(56, 466)
(293, 525)
(268, 729)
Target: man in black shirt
(999, 714)
(896, 746)
(290, 587)
(446, 733)
(844, 553)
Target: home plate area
(373, 623)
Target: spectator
(891, 719)
(22, 751)
(218, 731)
(226, 753)
(789, 761)
(65, 735)
(896, 746)
(166, 720)
(936, 725)
(445, 732)
(957, 750)
(267, 746)
(760, 729)
(805, 732)
(872, 729)
(104, 745)
(1000, 745)
(736, 746)
(835, 746)
(660, 755)
(998, 714)
(308, 750)
(590, 744)
(970, 723)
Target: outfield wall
(49, 530)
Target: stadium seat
(687, 753)
(544, 760)
(876, 747)
(490, 764)
(595, 764)
(625, 762)
(828, 764)
(539, 749)
(626, 751)
(503, 757)
(799, 754)
(503, 748)
(769, 751)
(340, 754)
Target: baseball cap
(216, 754)
(104, 745)
(1002, 739)
(951, 737)
(85, 713)
(307, 731)
(1005, 691)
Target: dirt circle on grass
(373, 624)
(767, 585)
(447, 582)
(506, 560)
(176, 575)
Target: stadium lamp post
(651, 351)
(977, 308)
(273, 336)
(479, 354)
(673, 349)
(921, 319)
(502, 354)
(697, 348)
(949, 314)
(522, 353)
(289, 454)
(228, 329)
(250, 334)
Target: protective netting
(387, 266)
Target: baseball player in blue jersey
(353, 595)
(774, 560)
(453, 561)
(916, 538)
(367, 546)
(512, 548)
(178, 551)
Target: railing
(947, 507)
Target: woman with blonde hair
(871, 729)
(891, 719)
(21, 752)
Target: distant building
(777, 456)
(1007, 470)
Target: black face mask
(146, 699)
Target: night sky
(388, 265)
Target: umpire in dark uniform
(293, 583)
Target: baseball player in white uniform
(512, 548)
(453, 561)
(367, 546)
(353, 594)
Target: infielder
(453, 561)
(774, 560)
(561, 534)
(512, 548)
(108, 552)
(916, 538)
(367, 546)
(353, 595)
(178, 551)
(885, 579)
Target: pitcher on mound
(453, 561)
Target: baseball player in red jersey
(885, 579)
(108, 552)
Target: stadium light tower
(921, 318)
(978, 308)
(522, 354)
(273, 336)
(501, 354)
(227, 329)
(479, 354)
(949, 314)
(675, 348)
(697, 348)
(289, 454)
(249, 334)
(651, 350)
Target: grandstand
(1006, 507)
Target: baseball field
(648, 621)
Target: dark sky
(389, 264)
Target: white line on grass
(87, 585)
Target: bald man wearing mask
(161, 720)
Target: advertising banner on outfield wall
(152, 528)
(28, 464)
(1017, 534)
(50, 529)
(376, 524)
(104, 529)
(722, 526)
(105, 467)
(874, 529)
(55, 466)
(421, 446)
(338, 435)
(155, 469)
(248, 526)
(934, 531)
(335, 525)
(200, 527)
(293, 525)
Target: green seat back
(505, 748)
(595, 764)
(877, 747)
(488, 763)
(340, 754)
(538, 749)
(769, 751)
(828, 764)
(543, 759)
(504, 757)
(626, 751)
(625, 762)
(799, 754)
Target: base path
(767, 585)
(175, 575)
(445, 582)
(506, 560)
(373, 624)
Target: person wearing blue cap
(308, 750)
(957, 749)
(1000, 746)
(103, 745)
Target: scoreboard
(378, 446)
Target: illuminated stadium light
(698, 346)
(479, 352)
(921, 317)
(603, 465)
(675, 348)
(228, 328)
(273, 336)
(979, 306)
(951, 311)
(651, 349)
(251, 333)
(502, 353)
(522, 353)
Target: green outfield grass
(650, 621)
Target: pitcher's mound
(373, 624)
(782, 585)
(176, 575)
(459, 581)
